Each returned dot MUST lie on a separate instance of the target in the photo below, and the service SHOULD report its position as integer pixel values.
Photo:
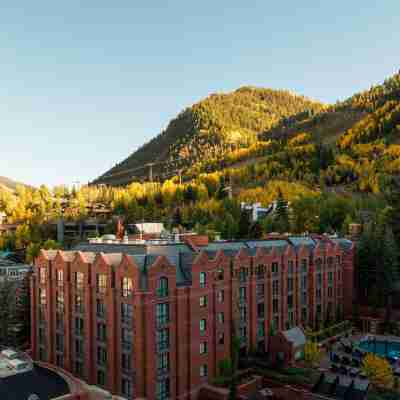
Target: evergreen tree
(281, 213)
(244, 225)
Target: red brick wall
(185, 310)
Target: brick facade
(146, 326)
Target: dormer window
(60, 277)
(220, 274)
(203, 279)
(127, 287)
(162, 289)
(42, 276)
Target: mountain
(253, 136)
(9, 184)
(211, 129)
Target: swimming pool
(381, 347)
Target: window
(203, 348)
(79, 304)
(290, 267)
(127, 287)
(162, 313)
(126, 385)
(43, 297)
(243, 332)
(60, 277)
(242, 275)
(100, 308)
(338, 260)
(260, 290)
(101, 356)
(274, 268)
(203, 301)
(290, 284)
(304, 282)
(318, 264)
(330, 278)
(220, 274)
(276, 322)
(221, 338)
(126, 313)
(42, 336)
(59, 342)
(126, 362)
(203, 279)
(304, 315)
(101, 283)
(59, 321)
(290, 301)
(162, 289)
(330, 291)
(79, 280)
(220, 317)
(59, 360)
(163, 362)
(78, 366)
(203, 326)
(163, 391)
(304, 264)
(275, 306)
(275, 287)
(126, 338)
(319, 279)
(101, 332)
(243, 313)
(60, 300)
(290, 322)
(319, 294)
(42, 354)
(304, 298)
(260, 329)
(339, 275)
(260, 272)
(79, 326)
(162, 339)
(78, 348)
(260, 310)
(101, 377)
(220, 296)
(242, 294)
(203, 371)
(42, 276)
(330, 262)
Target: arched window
(162, 290)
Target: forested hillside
(221, 126)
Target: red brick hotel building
(154, 321)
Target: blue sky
(82, 86)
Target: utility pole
(180, 176)
(150, 171)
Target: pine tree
(281, 213)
